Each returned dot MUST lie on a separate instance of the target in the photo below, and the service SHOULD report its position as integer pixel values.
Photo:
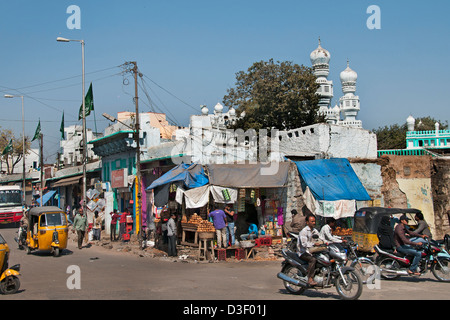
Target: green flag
(38, 131)
(89, 104)
(8, 148)
(61, 129)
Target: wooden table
(183, 237)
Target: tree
(279, 95)
(394, 136)
(13, 157)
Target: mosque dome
(232, 112)
(348, 75)
(218, 108)
(320, 56)
(204, 110)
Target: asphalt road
(109, 275)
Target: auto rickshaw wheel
(56, 252)
(10, 285)
(28, 250)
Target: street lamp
(60, 39)
(9, 96)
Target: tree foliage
(279, 95)
(394, 136)
(12, 158)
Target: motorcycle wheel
(441, 273)
(10, 285)
(293, 273)
(352, 288)
(389, 263)
(366, 268)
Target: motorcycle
(292, 241)
(434, 257)
(330, 271)
(364, 265)
(21, 238)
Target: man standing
(114, 217)
(220, 223)
(305, 244)
(230, 224)
(404, 245)
(298, 221)
(80, 225)
(172, 236)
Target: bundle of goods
(342, 231)
(206, 226)
(195, 221)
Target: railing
(407, 152)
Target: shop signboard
(119, 178)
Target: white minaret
(320, 60)
(349, 103)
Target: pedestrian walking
(79, 226)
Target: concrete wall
(440, 182)
(328, 141)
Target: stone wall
(440, 182)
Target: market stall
(261, 194)
(331, 189)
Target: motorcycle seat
(294, 256)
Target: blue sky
(194, 48)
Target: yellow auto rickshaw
(9, 281)
(367, 220)
(47, 230)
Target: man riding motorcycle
(306, 246)
(405, 246)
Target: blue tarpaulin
(46, 197)
(192, 175)
(332, 180)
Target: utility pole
(138, 152)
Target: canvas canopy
(332, 180)
(249, 175)
(192, 175)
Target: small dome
(348, 75)
(410, 119)
(232, 111)
(204, 110)
(320, 56)
(218, 108)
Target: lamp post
(23, 148)
(60, 39)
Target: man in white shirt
(172, 235)
(325, 232)
(307, 242)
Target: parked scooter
(9, 280)
(434, 258)
(330, 271)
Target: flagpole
(41, 148)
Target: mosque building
(348, 104)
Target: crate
(264, 241)
(239, 254)
(221, 254)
